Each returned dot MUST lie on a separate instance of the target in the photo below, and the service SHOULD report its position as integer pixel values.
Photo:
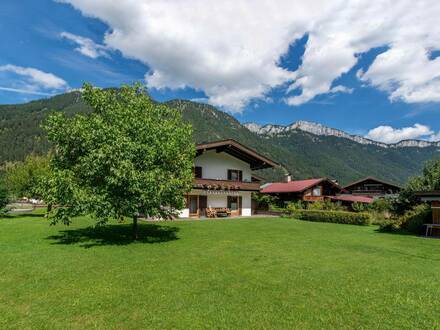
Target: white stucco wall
(217, 200)
(183, 213)
(216, 165)
(246, 207)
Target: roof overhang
(429, 196)
(372, 179)
(237, 150)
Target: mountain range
(318, 129)
(305, 149)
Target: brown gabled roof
(373, 179)
(238, 150)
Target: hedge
(344, 217)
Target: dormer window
(235, 175)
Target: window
(233, 203)
(373, 186)
(235, 175)
(198, 172)
(316, 191)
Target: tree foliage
(3, 197)
(129, 156)
(429, 180)
(25, 179)
(264, 201)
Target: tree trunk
(49, 209)
(135, 227)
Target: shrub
(379, 218)
(325, 205)
(390, 225)
(294, 206)
(359, 207)
(381, 205)
(332, 216)
(317, 205)
(264, 202)
(414, 219)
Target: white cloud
(30, 80)
(341, 89)
(407, 28)
(23, 91)
(388, 134)
(231, 49)
(435, 137)
(86, 46)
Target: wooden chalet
(309, 190)
(223, 179)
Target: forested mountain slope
(304, 154)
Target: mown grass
(247, 273)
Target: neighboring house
(434, 198)
(224, 179)
(305, 190)
(372, 187)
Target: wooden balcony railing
(313, 198)
(213, 184)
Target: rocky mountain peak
(321, 130)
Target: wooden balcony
(313, 198)
(213, 184)
(368, 192)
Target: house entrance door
(193, 205)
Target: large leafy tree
(130, 156)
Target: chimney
(288, 177)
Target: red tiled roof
(292, 186)
(353, 198)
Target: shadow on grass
(402, 232)
(12, 215)
(115, 235)
(395, 232)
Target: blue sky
(291, 85)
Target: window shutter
(229, 174)
(240, 175)
(198, 172)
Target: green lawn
(250, 273)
